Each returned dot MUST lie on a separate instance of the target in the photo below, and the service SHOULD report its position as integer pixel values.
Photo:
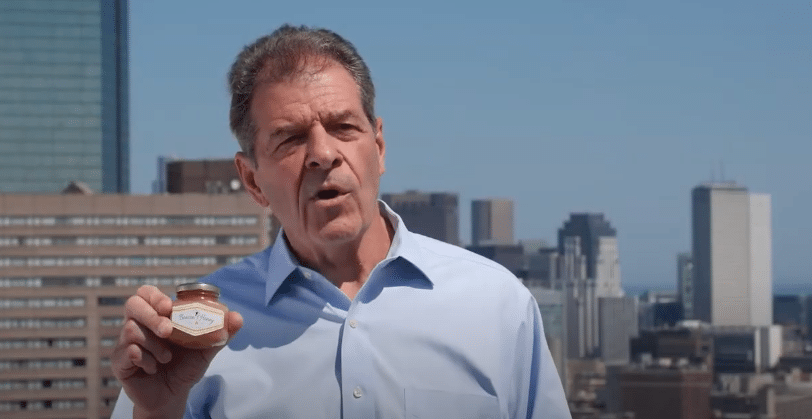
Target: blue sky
(618, 107)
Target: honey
(198, 317)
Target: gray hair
(285, 54)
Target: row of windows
(61, 70)
(22, 173)
(48, 57)
(128, 241)
(110, 382)
(51, 15)
(43, 343)
(51, 44)
(77, 83)
(76, 162)
(108, 341)
(43, 323)
(24, 405)
(203, 220)
(50, 6)
(55, 109)
(112, 321)
(68, 121)
(41, 364)
(59, 384)
(56, 96)
(37, 139)
(80, 281)
(8, 303)
(12, 30)
(56, 261)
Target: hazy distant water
(778, 289)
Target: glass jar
(198, 317)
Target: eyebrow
(330, 117)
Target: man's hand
(156, 374)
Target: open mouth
(327, 194)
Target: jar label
(197, 319)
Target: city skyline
(611, 107)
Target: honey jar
(198, 317)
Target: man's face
(318, 158)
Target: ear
(381, 145)
(247, 169)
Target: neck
(348, 265)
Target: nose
(321, 150)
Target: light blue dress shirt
(435, 332)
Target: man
(347, 314)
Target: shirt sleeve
(545, 397)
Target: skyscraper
(491, 221)
(685, 284)
(598, 241)
(732, 251)
(435, 215)
(64, 95)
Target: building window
(43, 323)
(42, 343)
(112, 301)
(10, 303)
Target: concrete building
(68, 263)
(511, 256)
(435, 215)
(618, 325)
(685, 284)
(598, 241)
(732, 252)
(665, 393)
(160, 182)
(202, 176)
(491, 222)
(64, 95)
(746, 349)
(692, 344)
(552, 316)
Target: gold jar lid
(198, 286)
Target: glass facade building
(64, 95)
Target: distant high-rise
(435, 215)
(598, 241)
(685, 284)
(202, 176)
(64, 99)
(732, 251)
(491, 221)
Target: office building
(732, 255)
(552, 316)
(202, 176)
(788, 310)
(435, 215)
(685, 284)
(618, 326)
(665, 393)
(64, 95)
(511, 256)
(160, 182)
(746, 349)
(598, 240)
(491, 222)
(69, 262)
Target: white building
(732, 251)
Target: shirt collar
(282, 263)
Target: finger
(134, 333)
(234, 322)
(139, 310)
(142, 359)
(157, 299)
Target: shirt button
(357, 393)
(307, 275)
(353, 323)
